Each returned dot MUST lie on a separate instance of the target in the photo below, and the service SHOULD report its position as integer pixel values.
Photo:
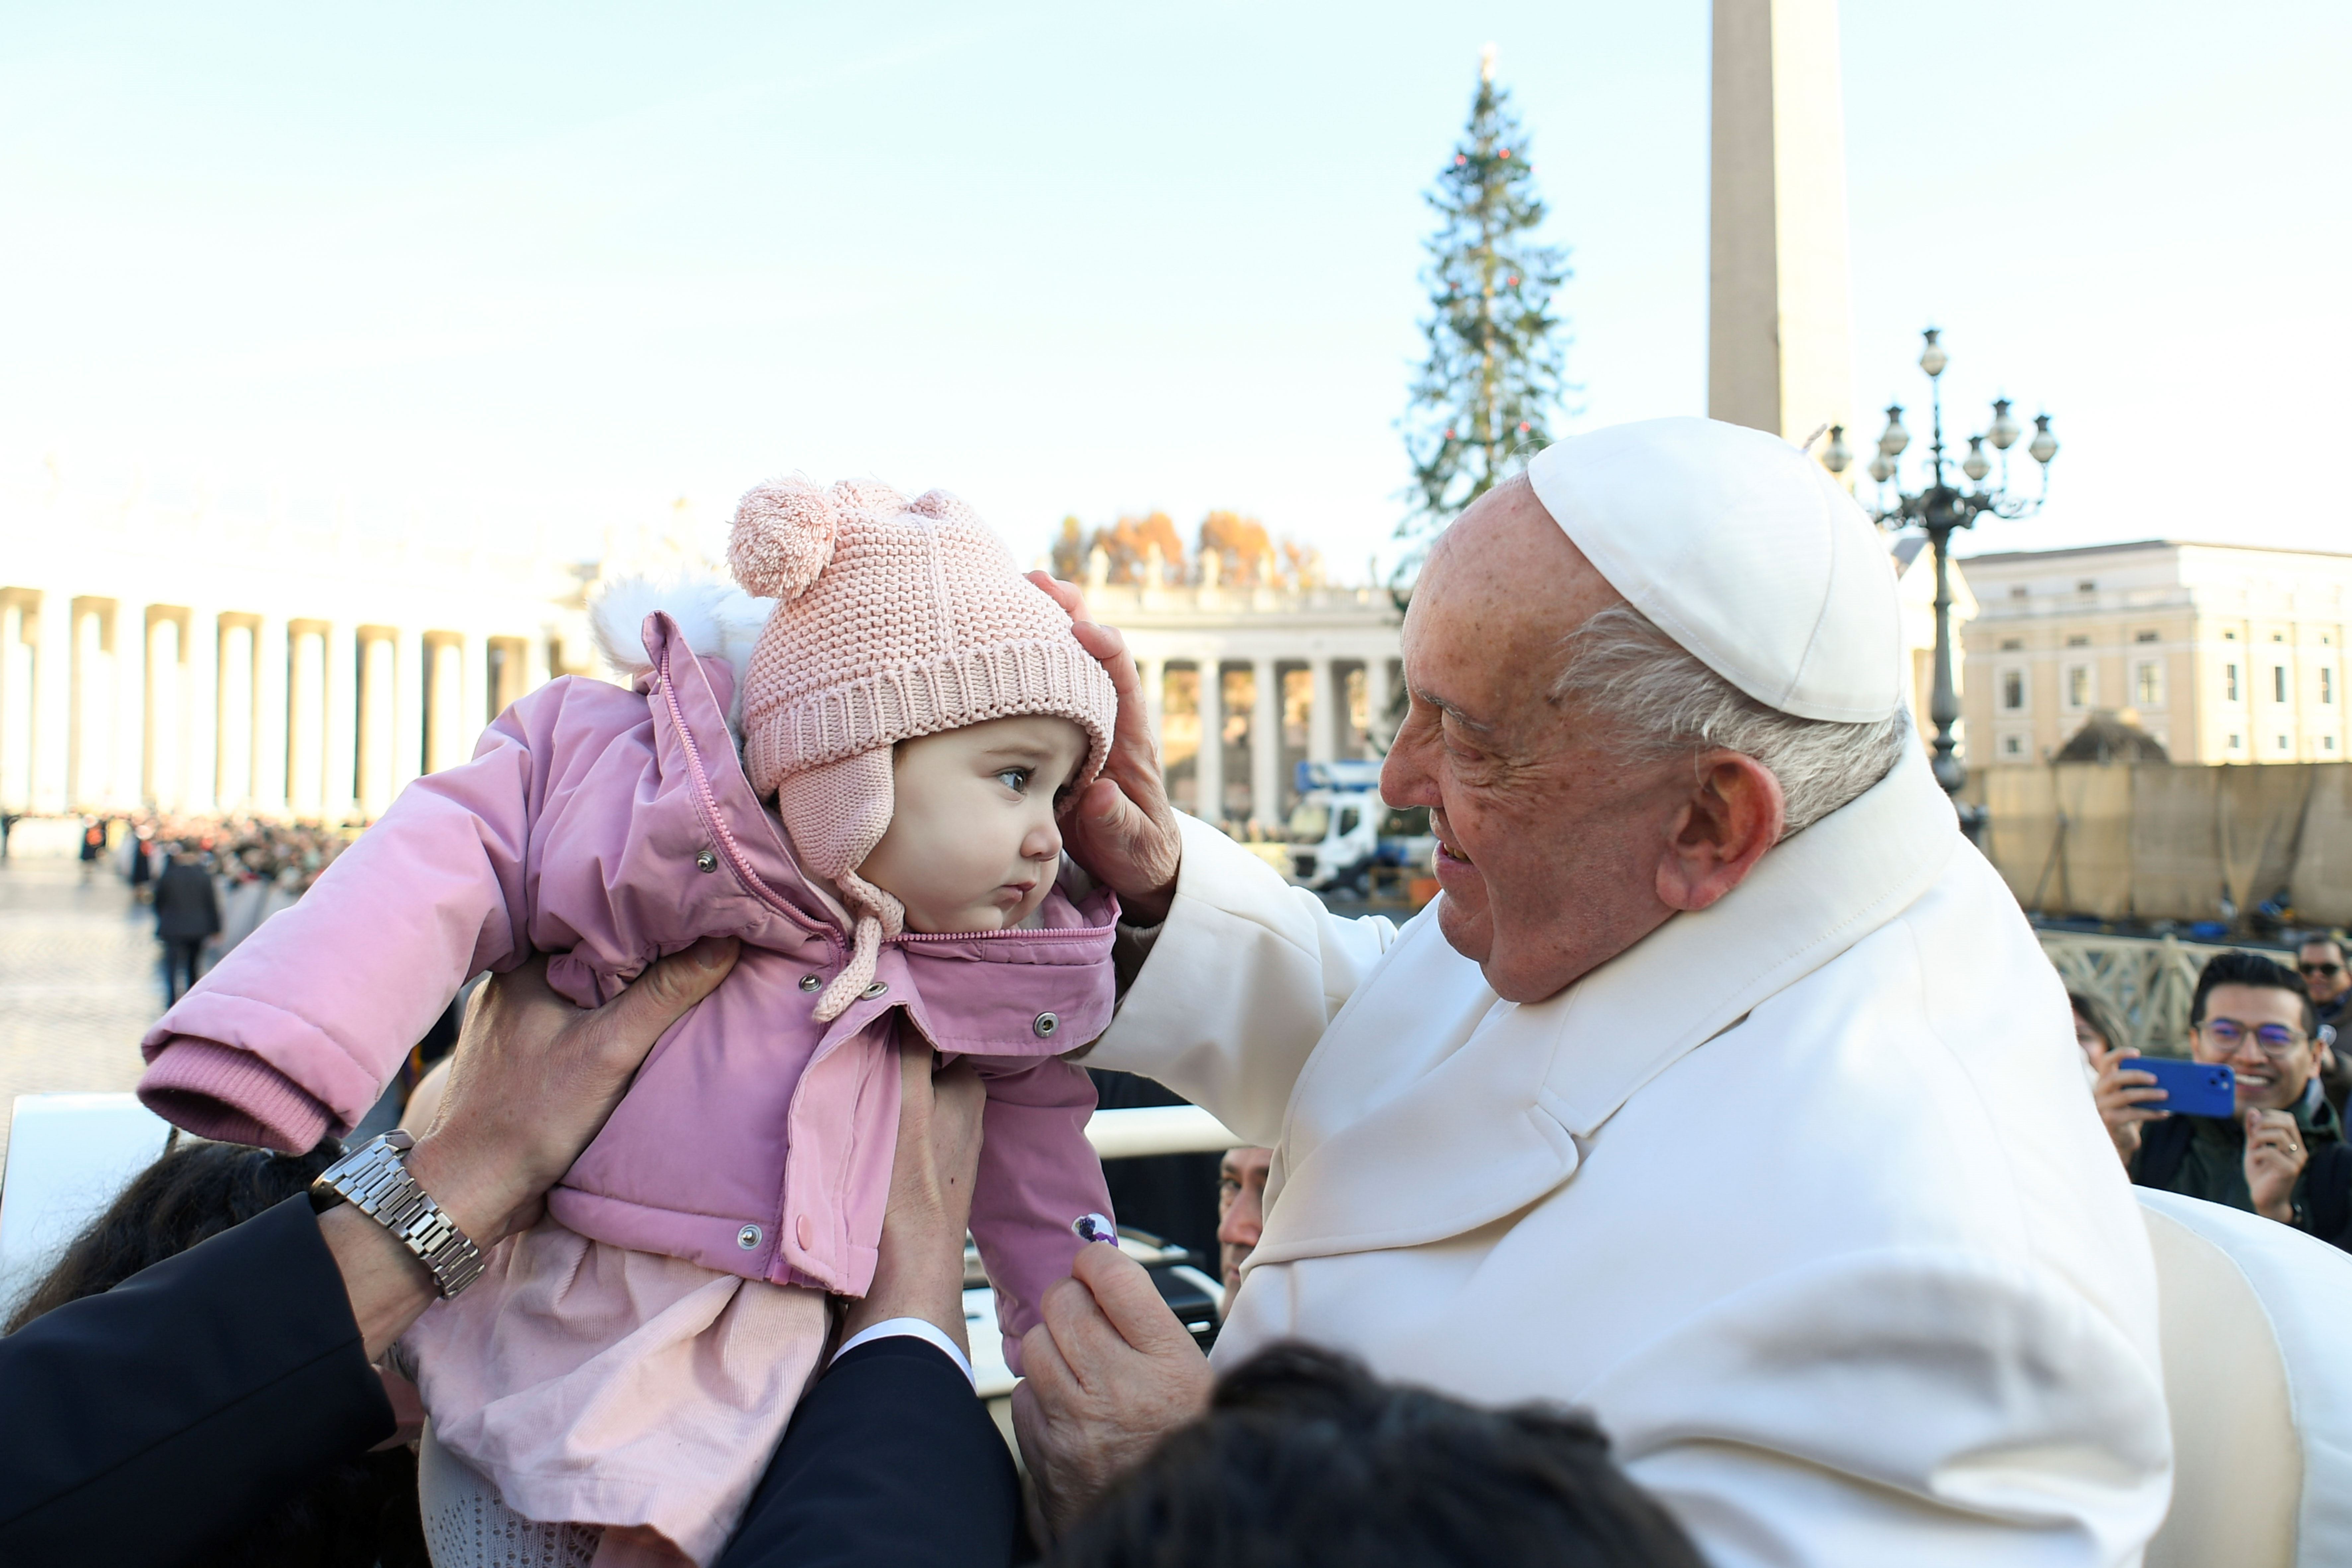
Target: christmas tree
(1494, 373)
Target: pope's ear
(1732, 812)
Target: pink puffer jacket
(612, 827)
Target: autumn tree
(1492, 377)
(1241, 545)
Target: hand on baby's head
(972, 843)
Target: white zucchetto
(1743, 550)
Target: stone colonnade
(208, 664)
(1242, 686)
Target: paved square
(79, 981)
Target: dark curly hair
(2238, 967)
(1306, 1460)
(360, 1512)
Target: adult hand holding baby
(1121, 828)
(535, 1079)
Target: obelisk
(1780, 321)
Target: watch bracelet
(380, 1185)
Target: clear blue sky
(481, 268)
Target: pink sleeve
(1037, 1174)
(297, 1031)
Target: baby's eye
(1017, 779)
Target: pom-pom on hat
(894, 619)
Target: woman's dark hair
(2095, 1013)
(2236, 967)
(1306, 1460)
(360, 1513)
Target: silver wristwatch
(374, 1180)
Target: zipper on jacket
(706, 802)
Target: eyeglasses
(2312, 970)
(2275, 1039)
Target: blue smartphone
(2191, 1088)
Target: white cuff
(910, 1328)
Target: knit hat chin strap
(834, 814)
(879, 915)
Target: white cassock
(1802, 1197)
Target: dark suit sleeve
(147, 1424)
(890, 1460)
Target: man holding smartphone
(2282, 1154)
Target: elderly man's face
(1551, 842)
(1240, 1211)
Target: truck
(1341, 832)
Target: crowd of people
(210, 880)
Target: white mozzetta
(1804, 1195)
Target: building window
(2230, 636)
(2012, 690)
(2012, 745)
(2278, 683)
(2278, 636)
(2281, 745)
(2235, 743)
(2078, 642)
(2078, 686)
(2086, 586)
(2148, 685)
(2327, 684)
(2012, 644)
(2147, 637)
(2020, 592)
(2326, 742)
(2229, 685)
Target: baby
(909, 712)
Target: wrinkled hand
(1110, 1370)
(1121, 828)
(534, 1079)
(2275, 1155)
(2127, 1099)
(918, 1271)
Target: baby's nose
(1043, 842)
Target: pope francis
(1723, 1092)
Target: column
(340, 785)
(1265, 743)
(17, 731)
(1153, 674)
(408, 725)
(200, 701)
(1377, 698)
(233, 710)
(129, 781)
(86, 734)
(306, 713)
(269, 716)
(1327, 717)
(473, 697)
(1209, 768)
(53, 707)
(163, 760)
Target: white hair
(1666, 703)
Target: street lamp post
(1940, 508)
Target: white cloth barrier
(2259, 1388)
(1157, 1130)
(69, 1157)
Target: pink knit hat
(895, 619)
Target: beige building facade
(2223, 653)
